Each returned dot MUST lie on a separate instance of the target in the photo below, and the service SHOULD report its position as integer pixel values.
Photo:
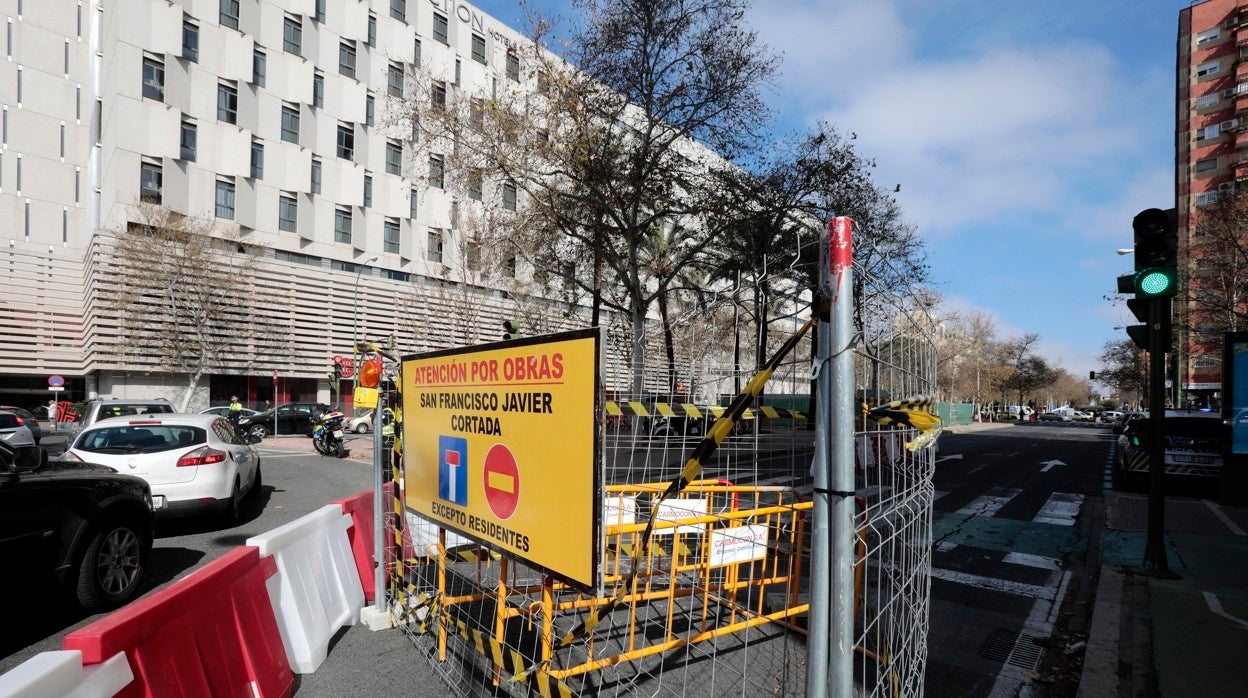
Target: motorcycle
(327, 434)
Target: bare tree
(181, 297)
(1124, 367)
(1025, 371)
(605, 152)
(1215, 284)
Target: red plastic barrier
(360, 508)
(211, 633)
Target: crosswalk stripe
(989, 504)
(993, 584)
(1037, 561)
(1061, 509)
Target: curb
(1100, 661)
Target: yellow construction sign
(502, 446)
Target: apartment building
(1211, 158)
(265, 117)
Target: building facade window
(190, 41)
(316, 175)
(416, 52)
(370, 110)
(474, 185)
(394, 79)
(433, 250)
(478, 48)
(1206, 166)
(346, 58)
(1208, 69)
(257, 159)
(151, 181)
(368, 190)
(398, 10)
(153, 79)
(342, 224)
(292, 35)
(290, 122)
(189, 140)
(437, 94)
(225, 199)
(513, 67)
(372, 30)
(346, 141)
(437, 171)
(318, 89)
(287, 212)
(509, 196)
(394, 157)
(227, 102)
(440, 28)
(319, 11)
(259, 68)
(390, 236)
(229, 14)
(413, 203)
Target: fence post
(829, 667)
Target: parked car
(361, 424)
(224, 411)
(77, 526)
(195, 463)
(32, 422)
(117, 407)
(13, 430)
(1054, 417)
(1193, 447)
(1112, 415)
(291, 418)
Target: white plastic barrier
(317, 588)
(60, 673)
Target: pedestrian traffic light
(1156, 253)
(511, 329)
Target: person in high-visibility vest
(236, 410)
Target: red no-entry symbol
(502, 481)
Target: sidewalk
(1169, 635)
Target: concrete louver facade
(106, 102)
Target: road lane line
(1217, 511)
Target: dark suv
(1194, 442)
(82, 527)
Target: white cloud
(971, 138)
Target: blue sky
(1025, 136)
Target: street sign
(501, 446)
(55, 381)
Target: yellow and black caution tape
(634, 408)
(915, 413)
(693, 467)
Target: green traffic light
(1155, 282)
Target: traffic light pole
(1155, 546)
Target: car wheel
(112, 567)
(258, 430)
(361, 428)
(257, 482)
(234, 506)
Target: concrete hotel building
(262, 114)
(1211, 155)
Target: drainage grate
(1013, 648)
(999, 644)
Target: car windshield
(144, 439)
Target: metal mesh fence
(712, 598)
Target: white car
(13, 430)
(194, 463)
(361, 424)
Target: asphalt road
(295, 483)
(1015, 509)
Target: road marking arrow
(956, 456)
(1049, 464)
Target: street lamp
(355, 326)
(1125, 250)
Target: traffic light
(337, 371)
(1139, 335)
(511, 329)
(1156, 253)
